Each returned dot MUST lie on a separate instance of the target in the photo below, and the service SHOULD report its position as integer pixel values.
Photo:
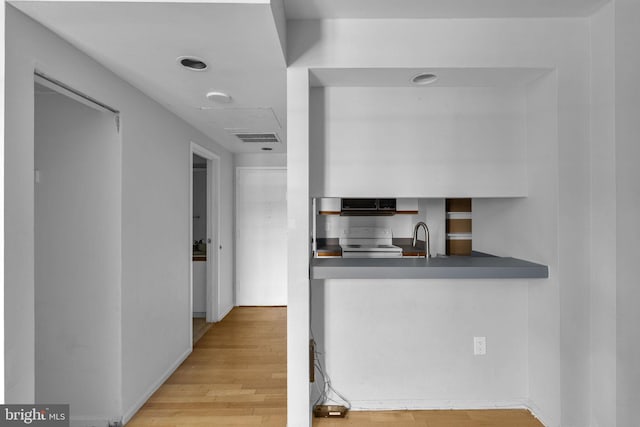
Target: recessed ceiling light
(219, 97)
(424, 79)
(192, 63)
(266, 148)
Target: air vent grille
(268, 137)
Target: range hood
(367, 207)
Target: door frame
(213, 233)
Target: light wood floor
(457, 418)
(236, 376)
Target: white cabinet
(407, 205)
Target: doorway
(205, 241)
(77, 267)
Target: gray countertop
(480, 266)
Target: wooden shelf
(458, 205)
(458, 226)
(329, 254)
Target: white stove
(368, 242)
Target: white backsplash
(432, 211)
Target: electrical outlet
(479, 346)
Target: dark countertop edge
(474, 267)
(452, 273)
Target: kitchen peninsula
(371, 244)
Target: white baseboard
(539, 414)
(155, 386)
(417, 405)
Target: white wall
(298, 250)
(627, 153)
(555, 375)
(409, 343)
(527, 228)
(603, 220)
(77, 258)
(260, 159)
(156, 239)
(437, 141)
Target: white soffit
(244, 118)
(401, 77)
(426, 9)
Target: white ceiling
(421, 9)
(141, 42)
(241, 42)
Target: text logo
(34, 415)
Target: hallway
(236, 375)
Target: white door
(261, 236)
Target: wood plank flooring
(445, 418)
(236, 376)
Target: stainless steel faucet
(415, 237)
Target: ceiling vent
(257, 137)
